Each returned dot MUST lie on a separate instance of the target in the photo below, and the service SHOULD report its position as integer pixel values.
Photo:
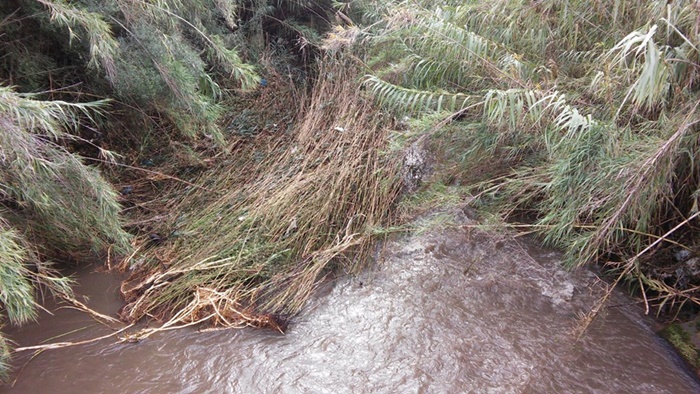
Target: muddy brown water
(448, 311)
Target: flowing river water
(446, 311)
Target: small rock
(693, 266)
(415, 167)
(155, 239)
(682, 255)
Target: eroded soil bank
(448, 310)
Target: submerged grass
(251, 248)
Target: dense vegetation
(588, 109)
(86, 85)
(254, 158)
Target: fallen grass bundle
(281, 218)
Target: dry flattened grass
(280, 218)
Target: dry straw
(281, 218)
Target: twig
(150, 172)
(97, 315)
(59, 345)
(590, 317)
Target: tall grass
(167, 65)
(165, 61)
(51, 203)
(252, 248)
(590, 106)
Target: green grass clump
(680, 339)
